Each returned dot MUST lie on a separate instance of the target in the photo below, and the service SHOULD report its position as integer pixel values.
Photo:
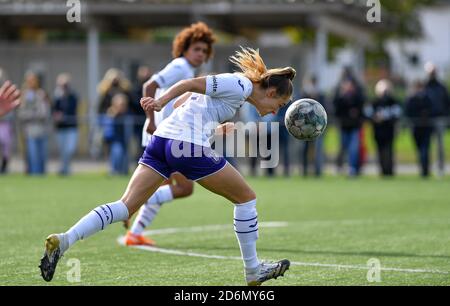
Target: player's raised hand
(149, 104)
(145, 101)
(9, 98)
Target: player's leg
(142, 184)
(230, 184)
(161, 195)
(146, 214)
(178, 186)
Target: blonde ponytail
(253, 67)
(251, 63)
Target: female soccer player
(180, 143)
(191, 48)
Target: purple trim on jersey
(162, 155)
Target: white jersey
(196, 119)
(177, 70)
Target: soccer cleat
(266, 271)
(132, 239)
(54, 248)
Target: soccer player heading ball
(213, 98)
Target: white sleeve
(226, 85)
(175, 71)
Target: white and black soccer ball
(306, 119)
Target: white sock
(97, 220)
(246, 228)
(150, 209)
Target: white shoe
(55, 246)
(266, 271)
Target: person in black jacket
(349, 103)
(419, 110)
(384, 113)
(118, 134)
(440, 102)
(65, 118)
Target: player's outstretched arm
(182, 99)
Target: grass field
(404, 223)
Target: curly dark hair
(196, 32)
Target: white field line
(197, 229)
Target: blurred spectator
(419, 110)
(113, 83)
(440, 102)
(34, 115)
(349, 75)
(116, 134)
(312, 91)
(144, 73)
(384, 113)
(348, 103)
(65, 119)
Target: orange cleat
(132, 239)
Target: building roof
(228, 15)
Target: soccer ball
(306, 119)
